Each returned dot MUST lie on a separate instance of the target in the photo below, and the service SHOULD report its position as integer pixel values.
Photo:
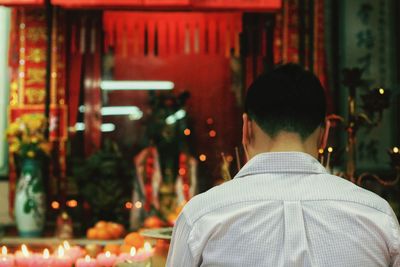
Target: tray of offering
(158, 233)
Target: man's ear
(247, 132)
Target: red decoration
(249, 5)
(21, 2)
(148, 187)
(165, 34)
(266, 5)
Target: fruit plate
(158, 233)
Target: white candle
(106, 259)
(86, 262)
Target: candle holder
(374, 101)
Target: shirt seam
(193, 222)
(189, 224)
(394, 244)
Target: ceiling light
(105, 127)
(171, 119)
(136, 85)
(120, 110)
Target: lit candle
(125, 256)
(106, 259)
(61, 260)
(86, 262)
(44, 260)
(144, 254)
(148, 249)
(5, 259)
(74, 252)
(23, 257)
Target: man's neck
(287, 142)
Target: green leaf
(37, 187)
(28, 206)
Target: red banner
(239, 4)
(21, 2)
(249, 5)
(97, 3)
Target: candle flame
(60, 251)
(4, 250)
(24, 250)
(330, 149)
(381, 91)
(87, 258)
(66, 245)
(395, 149)
(321, 151)
(108, 254)
(133, 251)
(46, 253)
(147, 246)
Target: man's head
(284, 111)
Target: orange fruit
(113, 248)
(116, 230)
(153, 222)
(162, 247)
(134, 239)
(91, 233)
(100, 224)
(103, 234)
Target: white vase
(30, 206)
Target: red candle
(86, 262)
(74, 252)
(5, 259)
(125, 256)
(61, 260)
(23, 258)
(43, 260)
(106, 259)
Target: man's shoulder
(328, 188)
(348, 191)
(212, 199)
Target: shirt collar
(281, 162)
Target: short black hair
(287, 98)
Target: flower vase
(30, 206)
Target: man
(283, 208)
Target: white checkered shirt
(284, 209)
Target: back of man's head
(287, 99)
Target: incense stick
(246, 153)
(321, 154)
(226, 169)
(237, 158)
(328, 160)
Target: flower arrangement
(26, 136)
